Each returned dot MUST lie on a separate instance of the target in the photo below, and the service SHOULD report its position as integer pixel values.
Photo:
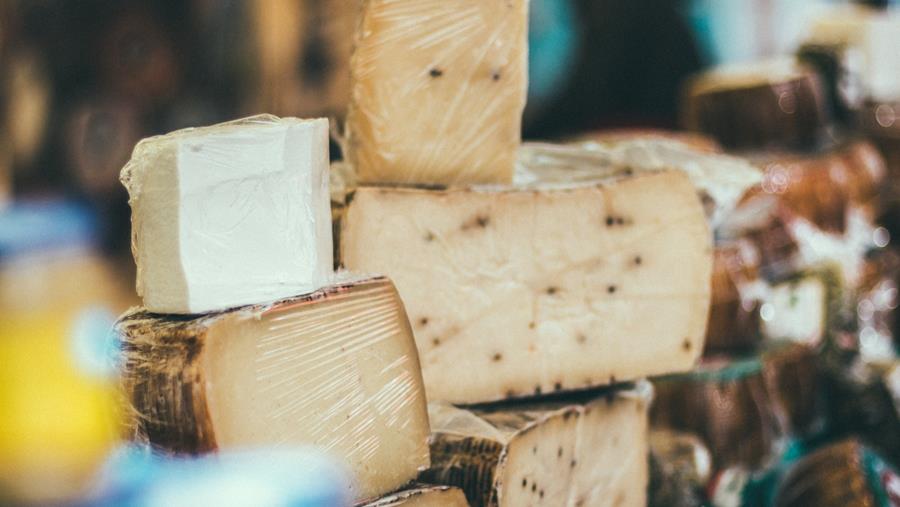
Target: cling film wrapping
(575, 449)
(336, 369)
(438, 90)
(248, 198)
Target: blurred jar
(57, 388)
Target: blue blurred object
(553, 46)
(93, 346)
(136, 477)
(41, 226)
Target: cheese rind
(336, 369)
(591, 451)
(541, 288)
(771, 104)
(423, 496)
(438, 90)
(248, 198)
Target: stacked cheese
(247, 337)
(520, 282)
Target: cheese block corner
(336, 369)
(248, 198)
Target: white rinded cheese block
(336, 369)
(438, 90)
(517, 291)
(230, 215)
(423, 495)
(585, 452)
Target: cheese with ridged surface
(543, 287)
(438, 90)
(336, 369)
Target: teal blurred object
(553, 47)
(136, 477)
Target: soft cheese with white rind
(587, 451)
(544, 287)
(438, 90)
(230, 215)
(336, 369)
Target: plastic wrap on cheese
(541, 287)
(721, 180)
(438, 90)
(586, 450)
(230, 215)
(336, 369)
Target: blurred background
(81, 82)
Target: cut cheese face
(230, 215)
(336, 369)
(541, 288)
(423, 496)
(438, 90)
(591, 452)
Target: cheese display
(592, 451)
(769, 104)
(541, 288)
(794, 383)
(437, 91)
(821, 188)
(801, 308)
(843, 474)
(230, 215)
(680, 468)
(734, 317)
(871, 35)
(337, 369)
(744, 433)
(423, 496)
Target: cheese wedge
(423, 496)
(437, 90)
(541, 288)
(586, 452)
(336, 369)
(230, 215)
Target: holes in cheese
(337, 369)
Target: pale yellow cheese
(532, 289)
(336, 369)
(585, 452)
(438, 90)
